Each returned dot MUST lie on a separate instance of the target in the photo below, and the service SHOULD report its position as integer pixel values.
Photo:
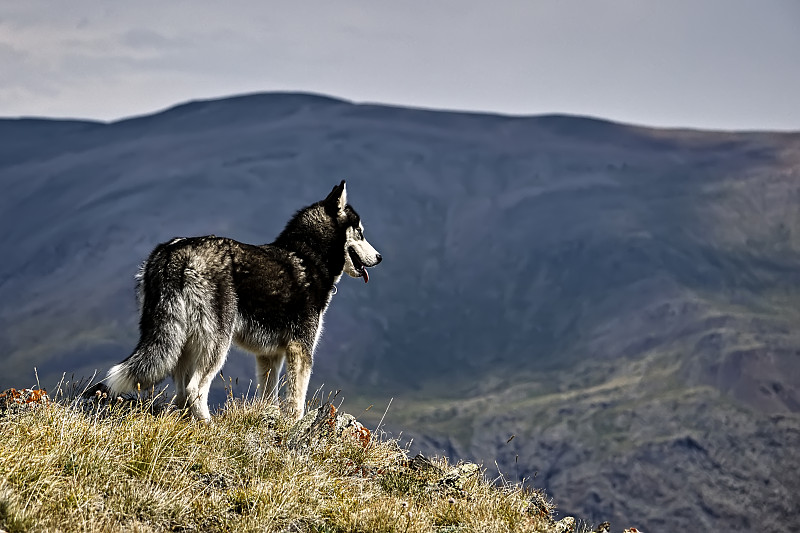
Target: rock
(306, 429)
(327, 420)
(565, 525)
(420, 463)
(15, 400)
(459, 475)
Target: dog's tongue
(365, 275)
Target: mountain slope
(622, 299)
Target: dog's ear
(337, 199)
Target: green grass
(67, 469)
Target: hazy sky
(703, 63)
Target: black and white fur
(199, 294)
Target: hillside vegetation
(135, 466)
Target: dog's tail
(152, 360)
(162, 327)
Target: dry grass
(63, 468)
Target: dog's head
(358, 253)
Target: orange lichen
(361, 434)
(11, 397)
(332, 417)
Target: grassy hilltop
(71, 466)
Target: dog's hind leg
(181, 376)
(298, 374)
(212, 316)
(268, 369)
(210, 358)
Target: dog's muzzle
(359, 265)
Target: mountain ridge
(611, 288)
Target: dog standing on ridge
(199, 294)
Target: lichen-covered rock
(457, 476)
(565, 525)
(305, 429)
(327, 420)
(14, 400)
(420, 463)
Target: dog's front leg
(268, 369)
(298, 374)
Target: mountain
(624, 301)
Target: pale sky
(720, 64)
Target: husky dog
(199, 294)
